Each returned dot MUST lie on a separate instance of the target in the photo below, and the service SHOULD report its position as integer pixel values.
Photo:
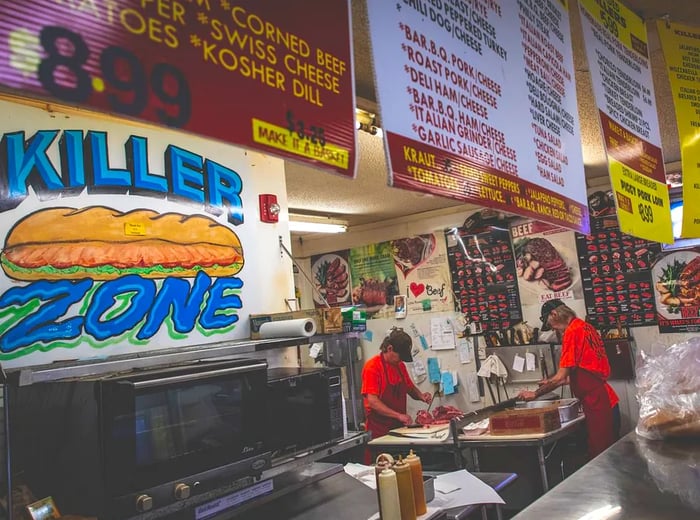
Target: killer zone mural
(118, 238)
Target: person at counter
(584, 365)
(386, 383)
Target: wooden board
(422, 430)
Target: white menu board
(478, 103)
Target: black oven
(304, 408)
(118, 445)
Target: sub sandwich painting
(102, 243)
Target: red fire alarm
(269, 208)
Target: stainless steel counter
(634, 479)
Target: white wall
(645, 338)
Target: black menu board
(482, 266)
(616, 276)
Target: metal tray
(568, 408)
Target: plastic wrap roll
(288, 328)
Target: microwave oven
(304, 408)
(118, 445)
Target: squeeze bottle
(414, 462)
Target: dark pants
(616, 421)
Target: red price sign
(240, 72)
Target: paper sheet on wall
(529, 361)
(442, 335)
(448, 386)
(518, 363)
(419, 372)
(465, 350)
(473, 387)
(434, 370)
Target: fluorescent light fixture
(316, 227)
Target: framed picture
(399, 306)
(43, 509)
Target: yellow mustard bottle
(384, 461)
(405, 484)
(414, 462)
(390, 508)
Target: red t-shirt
(582, 347)
(374, 378)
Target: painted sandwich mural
(115, 242)
(103, 244)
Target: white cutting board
(422, 430)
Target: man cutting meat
(585, 365)
(386, 383)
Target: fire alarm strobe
(269, 208)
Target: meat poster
(483, 277)
(331, 276)
(478, 103)
(374, 280)
(546, 266)
(423, 274)
(615, 269)
(676, 278)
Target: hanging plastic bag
(668, 391)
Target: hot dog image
(103, 244)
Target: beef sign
(538, 260)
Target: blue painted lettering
(25, 163)
(43, 325)
(216, 314)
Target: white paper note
(464, 351)
(470, 490)
(442, 335)
(518, 363)
(529, 361)
(473, 387)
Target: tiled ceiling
(368, 199)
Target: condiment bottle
(405, 483)
(384, 460)
(390, 508)
(414, 462)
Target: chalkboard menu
(616, 276)
(483, 277)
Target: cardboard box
(328, 321)
(526, 420)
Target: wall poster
(676, 279)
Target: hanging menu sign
(618, 57)
(478, 103)
(483, 277)
(681, 46)
(263, 75)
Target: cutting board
(423, 430)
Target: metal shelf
(170, 356)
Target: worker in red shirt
(385, 385)
(585, 366)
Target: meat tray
(568, 408)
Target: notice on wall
(374, 281)
(618, 57)
(478, 103)
(331, 277)
(676, 278)
(258, 74)
(681, 47)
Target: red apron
(394, 396)
(590, 390)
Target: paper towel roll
(288, 328)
